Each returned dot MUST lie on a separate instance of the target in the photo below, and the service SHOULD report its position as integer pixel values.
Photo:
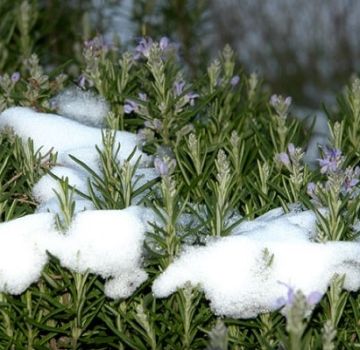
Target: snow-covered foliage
(246, 274)
(82, 106)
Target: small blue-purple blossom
(351, 179)
(235, 80)
(312, 299)
(281, 104)
(142, 96)
(291, 149)
(15, 77)
(96, 45)
(311, 189)
(331, 160)
(179, 87)
(154, 124)
(130, 106)
(190, 97)
(164, 43)
(143, 48)
(161, 167)
(283, 158)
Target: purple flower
(143, 48)
(179, 87)
(310, 189)
(283, 158)
(164, 43)
(15, 77)
(82, 81)
(161, 167)
(142, 96)
(274, 100)
(312, 299)
(282, 301)
(280, 104)
(235, 80)
(351, 179)
(96, 45)
(291, 149)
(331, 160)
(154, 124)
(190, 97)
(288, 101)
(130, 106)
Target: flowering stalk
(336, 194)
(281, 106)
(292, 161)
(221, 188)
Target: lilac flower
(143, 48)
(281, 104)
(82, 81)
(235, 80)
(274, 100)
(283, 158)
(331, 160)
(164, 43)
(145, 135)
(130, 106)
(312, 299)
(310, 189)
(142, 96)
(154, 124)
(179, 87)
(190, 97)
(291, 149)
(15, 77)
(351, 179)
(96, 45)
(161, 167)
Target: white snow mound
(53, 132)
(246, 274)
(23, 250)
(83, 106)
(107, 243)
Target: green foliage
(217, 144)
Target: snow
(104, 242)
(22, 253)
(83, 106)
(44, 190)
(107, 243)
(51, 131)
(244, 274)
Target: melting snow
(244, 274)
(22, 251)
(51, 131)
(83, 106)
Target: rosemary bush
(224, 150)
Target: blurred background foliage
(306, 49)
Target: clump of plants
(225, 151)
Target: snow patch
(107, 243)
(83, 106)
(22, 251)
(53, 132)
(244, 275)
(104, 242)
